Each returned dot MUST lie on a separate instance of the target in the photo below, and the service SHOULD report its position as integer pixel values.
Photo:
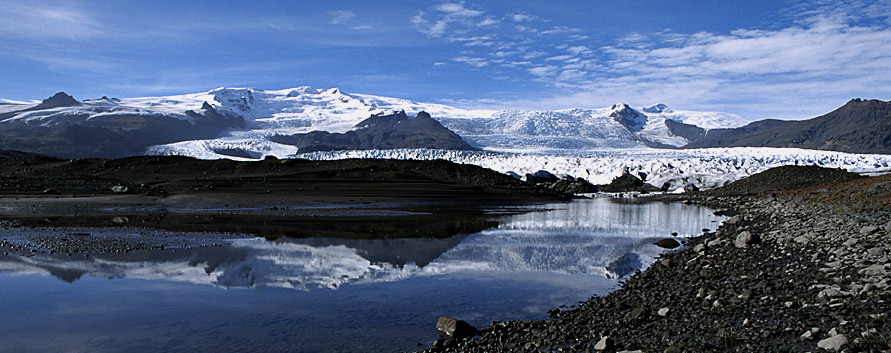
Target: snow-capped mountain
(305, 109)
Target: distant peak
(423, 115)
(658, 108)
(60, 99)
(302, 90)
(619, 106)
(628, 117)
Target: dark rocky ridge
(860, 126)
(369, 199)
(381, 131)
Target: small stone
(605, 343)
(867, 230)
(662, 312)
(717, 243)
(119, 189)
(699, 248)
(834, 343)
(888, 227)
(802, 239)
(636, 314)
(807, 335)
(876, 251)
(876, 270)
(851, 242)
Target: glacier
(595, 144)
(588, 143)
(704, 168)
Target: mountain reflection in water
(602, 236)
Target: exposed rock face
(60, 99)
(860, 126)
(381, 131)
(628, 117)
(628, 183)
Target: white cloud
(30, 20)
(521, 17)
(475, 62)
(558, 58)
(544, 71)
(340, 16)
(458, 9)
(488, 21)
(446, 14)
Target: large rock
(834, 343)
(627, 183)
(745, 239)
(541, 176)
(667, 243)
(451, 328)
(604, 344)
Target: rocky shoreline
(803, 270)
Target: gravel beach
(800, 270)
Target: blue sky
(755, 58)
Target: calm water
(322, 294)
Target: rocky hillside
(860, 126)
(61, 126)
(381, 131)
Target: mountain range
(252, 123)
(860, 126)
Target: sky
(759, 59)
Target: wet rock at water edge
(451, 328)
(667, 243)
(119, 189)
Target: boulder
(867, 230)
(745, 239)
(834, 343)
(451, 328)
(605, 343)
(667, 243)
(541, 176)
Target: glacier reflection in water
(388, 292)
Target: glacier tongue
(705, 168)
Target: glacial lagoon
(333, 294)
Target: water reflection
(603, 237)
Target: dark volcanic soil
(798, 270)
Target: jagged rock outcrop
(382, 131)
